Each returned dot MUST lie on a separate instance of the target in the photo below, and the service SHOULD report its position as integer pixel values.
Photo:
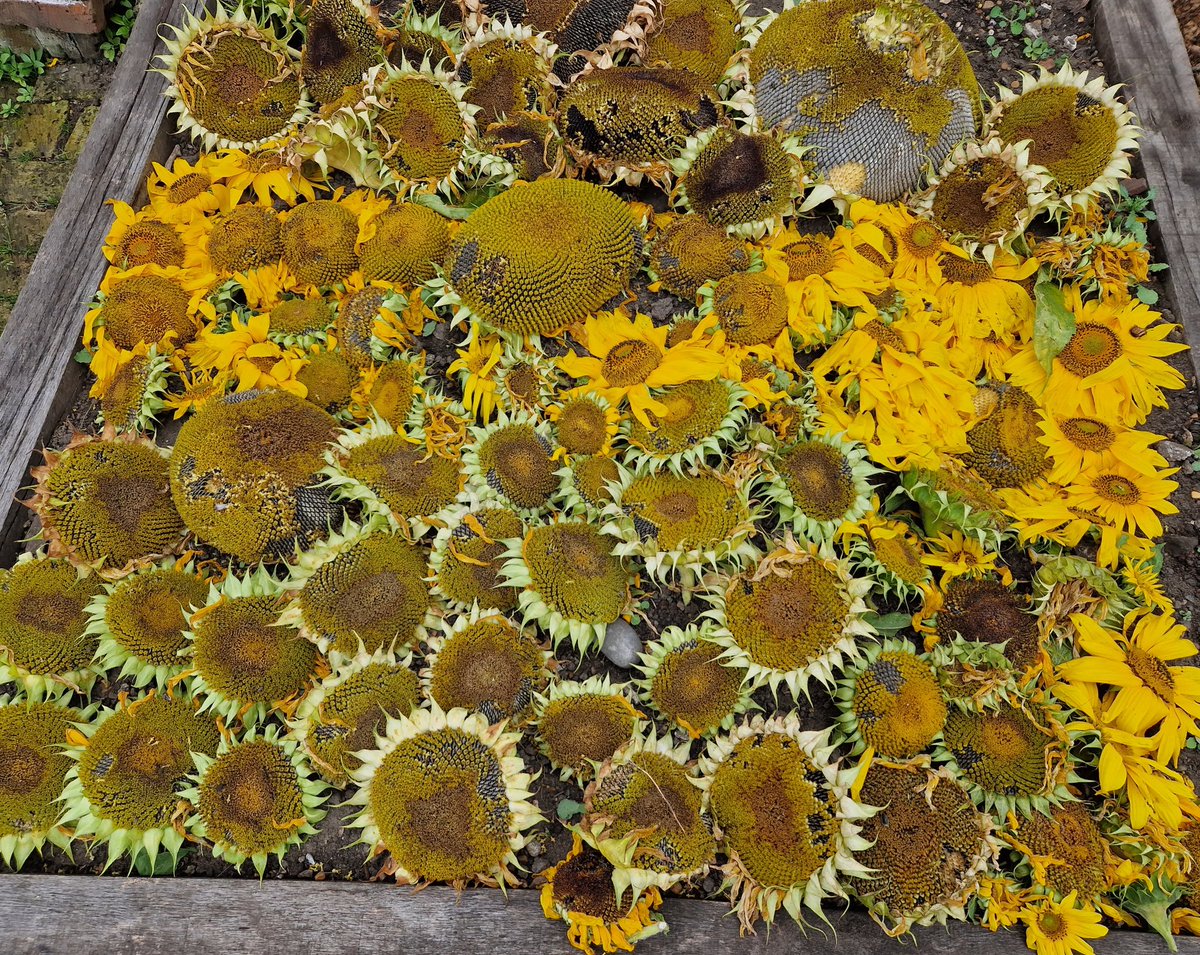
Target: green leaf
(1147, 296)
(1152, 906)
(83, 356)
(569, 809)
(889, 622)
(1053, 325)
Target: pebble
(1186, 437)
(1032, 30)
(1180, 545)
(1173, 451)
(621, 644)
(1070, 42)
(540, 864)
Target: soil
(1066, 28)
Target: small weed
(1013, 18)
(116, 34)
(22, 70)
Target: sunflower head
(300, 321)
(247, 237)
(132, 396)
(784, 815)
(957, 497)
(928, 847)
(505, 71)
(579, 891)
(468, 553)
(43, 627)
(256, 799)
(233, 83)
(820, 484)
(319, 242)
(512, 460)
(140, 621)
(245, 663)
(1077, 130)
(410, 240)
(1065, 851)
(420, 125)
(1011, 758)
(687, 682)
(1005, 450)
(33, 771)
(878, 91)
(244, 473)
(364, 587)
(346, 711)
(580, 725)
(446, 796)
(695, 35)
(147, 305)
(486, 665)
(701, 419)
(389, 391)
(752, 308)
(691, 251)
(983, 611)
(329, 380)
(572, 584)
(644, 815)
(341, 44)
(744, 182)
(501, 261)
(124, 789)
(892, 704)
(634, 118)
(587, 484)
(792, 616)
(106, 502)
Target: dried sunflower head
(928, 847)
(363, 588)
(329, 380)
(688, 683)
(572, 585)
(794, 615)
(256, 799)
(446, 796)
(541, 256)
(130, 764)
(346, 711)
(468, 552)
(390, 474)
(1005, 450)
(341, 44)
(819, 484)
(786, 821)
(1077, 129)
(233, 83)
(891, 703)
(409, 242)
(139, 621)
(106, 503)
(697, 35)
(644, 815)
(703, 419)
(691, 251)
(582, 724)
(33, 771)
(244, 473)
(45, 646)
(319, 242)
(506, 70)
(484, 664)
(131, 390)
(512, 460)
(587, 485)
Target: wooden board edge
(1142, 46)
(39, 380)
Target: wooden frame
(39, 381)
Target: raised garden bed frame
(39, 380)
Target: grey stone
(1173, 451)
(621, 644)
(1071, 42)
(1180, 545)
(1032, 30)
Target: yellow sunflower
(982, 301)
(1082, 443)
(1061, 928)
(957, 555)
(1125, 497)
(628, 357)
(920, 246)
(199, 386)
(1111, 367)
(1148, 691)
(264, 172)
(185, 191)
(475, 366)
(247, 352)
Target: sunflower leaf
(569, 809)
(1053, 324)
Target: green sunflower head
(582, 724)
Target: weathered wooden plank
(1141, 43)
(116, 915)
(38, 379)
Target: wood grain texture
(1141, 43)
(114, 916)
(38, 378)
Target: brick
(34, 133)
(32, 184)
(27, 228)
(83, 125)
(71, 16)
